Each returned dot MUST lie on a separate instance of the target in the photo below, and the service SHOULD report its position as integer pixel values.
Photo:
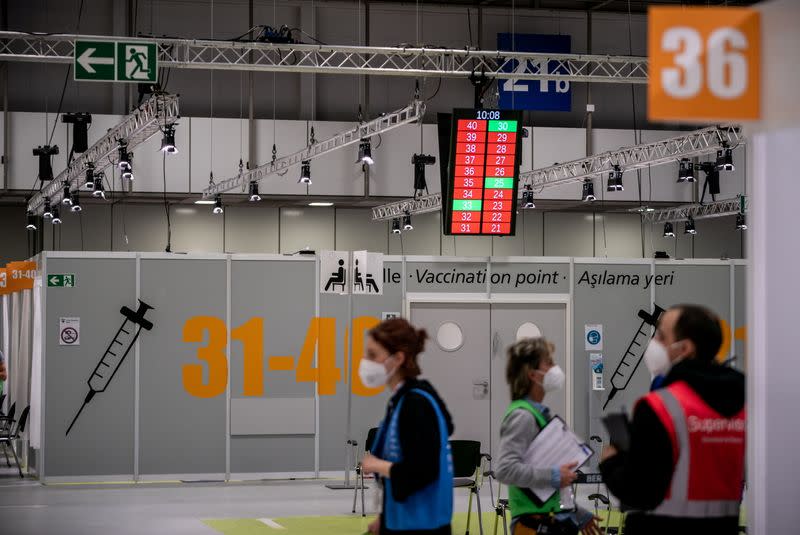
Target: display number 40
(320, 342)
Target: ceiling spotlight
(689, 227)
(588, 191)
(365, 152)
(47, 213)
(168, 140)
(741, 222)
(669, 232)
(321, 204)
(56, 219)
(254, 196)
(686, 170)
(123, 156)
(80, 126)
(396, 225)
(99, 189)
(76, 201)
(31, 221)
(618, 176)
(305, 173)
(419, 161)
(45, 166)
(218, 209)
(725, 159)
(407, 222)
(127, 171)
(643, 209)
(65, 198)
(527, 197)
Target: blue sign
(546, 95)
(593, 337)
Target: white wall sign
(69, 331)
(593, 336)
(596, 363)
(389, 315)
(367, 270)
(334, 272)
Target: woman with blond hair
(531, 374)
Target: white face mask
(373, 374)
(656, 358)
(554, 379)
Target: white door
(509, 322)
(465, 358)
(456, 361)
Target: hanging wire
(211, 129)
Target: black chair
(2, 399)
(468, 473)
(7, 420)
(359, 473)
(14, 433)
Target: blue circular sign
(593, 337)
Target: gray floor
(28, 508)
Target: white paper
(596, 364)
(69, 331)
(593, 336)
(555, 445)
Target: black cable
(66, 79)
(166, 205)
(80, 220)
(469, 26)
(435, 92)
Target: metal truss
(697, 211)
(360, 60)
(697, 143)
(422, 205)
(139, 126)
(411, 113)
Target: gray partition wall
(147, 424)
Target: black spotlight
(588, 191)
(305, 173)
(80, 126)
(218, 209)
(420, 161)
(527, 197)
(47, 212)
(686, 171)
(66, 197)
(741, 222)
(615, 179)
(31, 221)
(407, 222)
(365, 152)
(127, 171)
(89, 182)
(689, 227)
(76, 201)
(725, 159)
(45, 167)
(123, 157)
(669, 232)
(168, 140)
(396, 225)
(99, 189)
(254, 196)
(55, 216)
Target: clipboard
(556, 445)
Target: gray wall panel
(251, 229)
(740, 319)
(355, 231)
(333, 409)
(101, 443)
(615, 306)
(618, 235)
(306, 227)
(286, 310)
(425, 239)
(180, 433)
(568, 234)
(718, 238)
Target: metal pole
(251, 145)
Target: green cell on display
(498, 183)
(468, 206)
(502, 126)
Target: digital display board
(481, 194)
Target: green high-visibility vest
(520, 500)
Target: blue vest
(431, 507)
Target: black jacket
(640, 478)
(419, 439)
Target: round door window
(528, 330)
(449, 337)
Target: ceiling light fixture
(689, 227)
(254, 196)
(305, 173)
(588, 191)
(168, 140)
(218, 209)
(669, 232)
(365, 152)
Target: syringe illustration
(116, 352)
(627, 367)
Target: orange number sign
(703, 64)
(213, 354)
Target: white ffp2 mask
(554, 379)
(656, 358)
(373, 374)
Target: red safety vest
(707, 454)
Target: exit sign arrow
(86, 60)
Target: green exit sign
(66, 280)
(116, 61)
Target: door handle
(495, 343)
(481, 383)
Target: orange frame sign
(704, 64)
(20, 275)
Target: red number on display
(502, 138)
(502, 149)
(467, 216)
(470, 148)
(472, 125)
(499, 171)
(499, 194)
(495, 227)
(469, 171)
(497, 216)
(472, 136)
(499, 160)
(469, 159)
(497, 205)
